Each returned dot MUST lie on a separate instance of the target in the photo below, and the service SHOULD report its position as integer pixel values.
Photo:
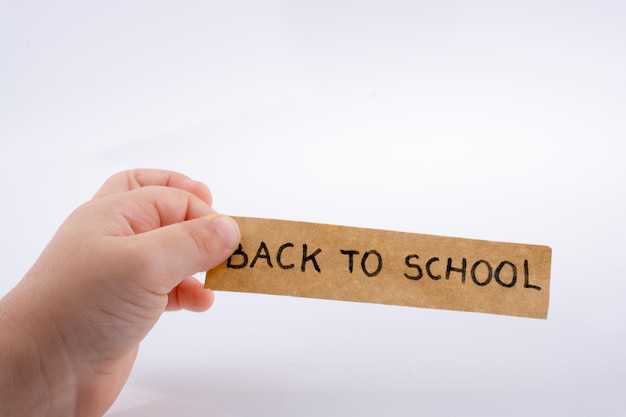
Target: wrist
(36, 375)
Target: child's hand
(70, 330)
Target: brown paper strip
(377, 266)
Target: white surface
(492, 120)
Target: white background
(490, 120)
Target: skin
(71, 328)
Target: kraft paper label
(378, 266)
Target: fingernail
(228, 230)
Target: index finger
(137, 178)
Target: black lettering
(428, 271)
(350, 254)
(378, 268)
(527, 283)
(262, 253)
(462, 269)
(279, 255)
(407, 262)
(311, 257)
(489, 273)
(513, 275)
(244, 259)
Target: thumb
(176, 251)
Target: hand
(72, 327)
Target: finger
(190, 295)
(167, 255)
(147, 208)
(137, 178)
